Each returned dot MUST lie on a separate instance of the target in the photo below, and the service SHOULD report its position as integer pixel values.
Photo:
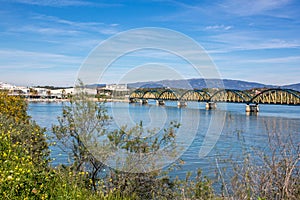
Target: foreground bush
(24, 164)
(270, 173)
(83, 126)
(25, 172)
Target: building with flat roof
(117, 87)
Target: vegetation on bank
(25, 171)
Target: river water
(235, 132)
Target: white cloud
(45, 30)
(287, 59)
(247, 8)
(39, 77)
(62, 3)
(218, 27)
(53, 26)
(96, 27)
(114, 25)
(17, 59)
(239, 41)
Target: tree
(24, 169)
(81, 120)
(23, 149)
(49, 94)
(63, 93)
(84, 123)
(33, 91)
(25, 132)
(14, 107)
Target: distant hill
(201, 83)
(292, 86)
(92, 86)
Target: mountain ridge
(200, 83)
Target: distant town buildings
(116, 87)
(14, 90)
(36, 92)
(62, 93)
(113, 90)
(6, 86)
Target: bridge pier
(143, 101)
(132, 100)
(211, 105)
(160, 102)
(181, 104)
(252, 108)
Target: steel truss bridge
(269, 96)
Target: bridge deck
(269, 96)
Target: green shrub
(84, 120)
(24, 166)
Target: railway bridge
(252, 101)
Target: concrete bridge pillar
(160, 102)
(181, 104)
(132, 100)
(252, 108)
(143, 101)
(211, 105)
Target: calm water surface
(239, 132)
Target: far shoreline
(68, 100)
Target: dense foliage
(25, 172)
(24, 164)
(84, 120)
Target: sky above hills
(45, 42)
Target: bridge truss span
(269, 96)
(277, 96)
(169, 95)
(136, 94)
(195, 95)
(151, 94)
(229, 95)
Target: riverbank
(67, 100)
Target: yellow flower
(9, 178)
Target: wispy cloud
(247, 8)
(62, 3)
(98, 27)
(45, 25)
(218, 27)
(44, 30)
(240, 41)
(17, 59)
(287, 59)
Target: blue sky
(44, 42)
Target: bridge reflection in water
(269, 96)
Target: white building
(91, 91)
(14, 90)
(6, 86)
(62, 92)
(19, 90)
(41, 91)
(117, 87)
(70, 91)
